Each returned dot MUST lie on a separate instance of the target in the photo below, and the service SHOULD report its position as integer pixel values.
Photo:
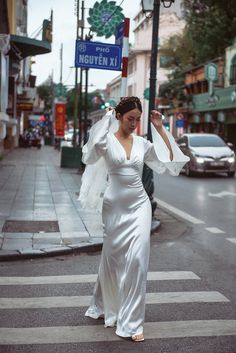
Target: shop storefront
(215, 113)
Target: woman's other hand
(156, 119)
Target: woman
(119, 293)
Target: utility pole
(147, 172)
(76, 79)
(61, 66)
(81, 26)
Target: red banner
(60, 117)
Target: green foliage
(45, 92)
(48, 90)
(71, 102)
(179, 51)
(211, 27)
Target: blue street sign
(96, 55)
(179, 123)
(119, 33)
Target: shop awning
(22, 47)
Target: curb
(37, 254)
(16, 255)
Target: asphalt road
(209, 199)
(190, 296)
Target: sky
(64, 32)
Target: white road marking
(152, 276)
(80, 301)
(169, 244)
(215, 230)
(178, 212)
(97, 333)
(221, 194)
(232, 240)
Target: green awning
(22, 47)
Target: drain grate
(30, 226)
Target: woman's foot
(138, 338)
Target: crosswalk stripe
(80, 301)
(232, 240)
(214, 230)
(152, 276)
(97, 333)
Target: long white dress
(119, 293)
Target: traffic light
(102, 104)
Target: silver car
(208, 154)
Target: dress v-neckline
(128, 159)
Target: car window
(206, 141)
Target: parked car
(208, 154)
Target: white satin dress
(119, 293)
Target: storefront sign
(208, 118)
(60, 116)
(24, 106)
(221, 117)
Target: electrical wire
(68, 76)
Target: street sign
(211, 72)
(119, 34)
(97, 55)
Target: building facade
(212, 109)
(17, 85)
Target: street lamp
(152, 6)
(147, 5)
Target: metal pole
(147, 172)
(81, 78)
(153, 63)
(76, 81)
(61, 66)
(86, 103)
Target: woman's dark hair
(128, 103)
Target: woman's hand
(156, 119)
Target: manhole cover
(30, 227)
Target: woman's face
(130, 120)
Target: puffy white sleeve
(94, 178)
(157, 154)
(97, 143)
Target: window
(130, 90)
(206, 141)
(233, 71)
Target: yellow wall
(11, 7)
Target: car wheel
(231, 174)
(188, 170)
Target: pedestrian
(119, 293)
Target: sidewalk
(39, 211)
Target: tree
(92, 104)
(211, 27)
